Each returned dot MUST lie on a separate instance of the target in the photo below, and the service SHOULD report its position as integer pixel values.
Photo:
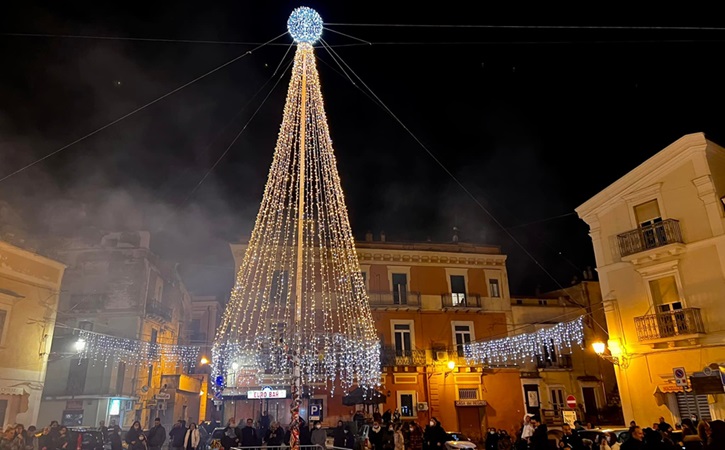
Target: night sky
(528, 115)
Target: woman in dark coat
(135, 437)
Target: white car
(458, 441)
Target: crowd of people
(692, 434)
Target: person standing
(115, 439)
(249, 435)
(491, 439)
(264, 423)
(135, 437)
(61, 441)
(191, 437)
(156, 435)
(540, 439)
(570, 439)
(398, 438)
(231, 437)
(318, 435)
(274, 436)
(415, 436)
(375, 435)
(176, 436)
(527, 430)
(338, 435)
(635, 440)
(203, 435)
(387, 416)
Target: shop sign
(74, 405)
(268, 393)
(470, 402)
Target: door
(531, 398)
(3, 410)
(471, 422)
(400, 289)
(590, 401)
(458, 290)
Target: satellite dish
(145, 389)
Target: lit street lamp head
(305, 25)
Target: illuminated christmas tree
(298, 312)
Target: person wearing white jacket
(191, 439)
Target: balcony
(396, 299)
(669, 326)
(392, 357)
(158, 311)
(461, 300)
(562, 362)
(652, 236)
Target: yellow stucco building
(659, 240)
(29, 288)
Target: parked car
(80, 438)
(457, 440)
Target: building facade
(658, 235)
(575, 373)
(205, 316)
(428, 300)
(116, 286)
(29, 288)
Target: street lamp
(80, 345)
(203, 361)
(451, 365)
(614, 354)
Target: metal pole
(295, 407)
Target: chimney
(368, 236)
(382, 236)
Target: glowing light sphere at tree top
(305, 25)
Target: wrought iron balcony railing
(156, 309)
(651, 236)
(391, 356)
(462, 300)
(678, 322)
(394, 299)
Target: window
(88, 302)
(467, 394)
(406, 403)
(3, 319)
(458, 290)
(665, 293)
(77, 376)
(150, 376)
(493, 288)
(557, 398)
(462, 335)
(120, 377)
(159, 290)
(402, 338)
(364, 276)
(153, 348)
(280, 282)
(400, 289)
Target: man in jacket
(249, 435)
(177, 434)
(156, 435)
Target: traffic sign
(571, 401)
(680, 376)
(163, 396)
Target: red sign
(571, 401)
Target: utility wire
(447, 171)
(529, 27)
(98, 130)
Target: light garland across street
(526, 347)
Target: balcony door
(458, 290)
(650, 222)
(668, 305)
(400, 289)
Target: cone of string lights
(298, 313)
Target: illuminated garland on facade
(303, 310)
(103, 348)
(526, 347)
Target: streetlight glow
(451, 365)
(204, 361)
(80, 345)
(599, 347)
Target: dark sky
(533, 114)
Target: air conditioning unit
(441, 355)
(423, 406)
